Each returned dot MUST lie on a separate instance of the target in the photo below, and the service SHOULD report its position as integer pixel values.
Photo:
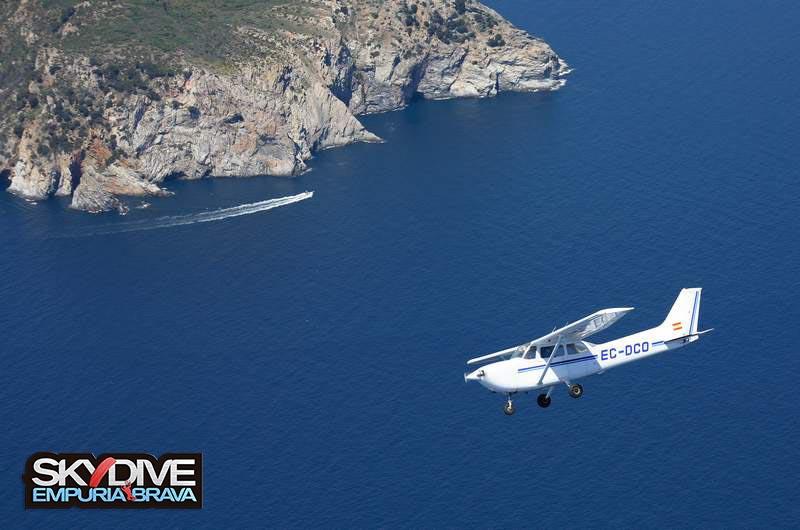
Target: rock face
(263, 114)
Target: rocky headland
(103, 99)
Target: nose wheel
(575, 390)
(508, 408)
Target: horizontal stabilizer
(689, 336)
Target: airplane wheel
(543, 401)
(508, 408)
(576, 391)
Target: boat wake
(201, 217)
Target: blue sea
(314, 352)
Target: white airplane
(563, 356)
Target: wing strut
(527, 349)
(552, 354)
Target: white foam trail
(202, 217)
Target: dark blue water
(314, 353)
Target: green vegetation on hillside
(129, 43)
(197, 29)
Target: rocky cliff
(269, 88)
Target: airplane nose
(477, 375)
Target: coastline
(267, 113)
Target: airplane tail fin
(682, 318)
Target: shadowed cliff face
(95, 126)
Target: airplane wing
(496, 355)
(568, 334)
(584, 327)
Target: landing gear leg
(508, 408)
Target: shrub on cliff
(409, 14)
(454, 29)
(484, 21)
(495, 41)
(154, 71)
(43, 149)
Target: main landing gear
(544, 400)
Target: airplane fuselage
(521, 375)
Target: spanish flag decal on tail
(677, 326)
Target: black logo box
(70, 458)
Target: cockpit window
(572, 349)
(578, 347)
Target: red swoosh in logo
(101, 471)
